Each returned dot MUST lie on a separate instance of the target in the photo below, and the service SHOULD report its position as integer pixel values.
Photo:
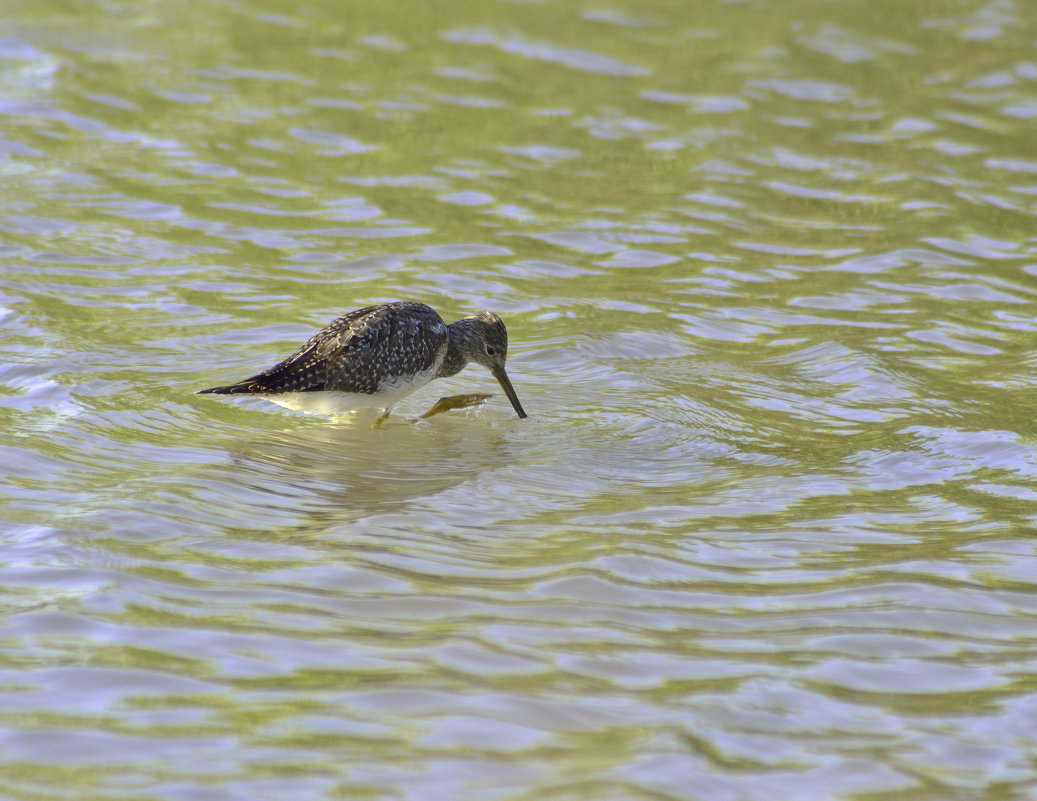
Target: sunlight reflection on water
(767, 273)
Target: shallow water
(769, 271)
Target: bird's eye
(490, 351)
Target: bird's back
(362, 351)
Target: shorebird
(377, 355)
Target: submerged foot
(454, 402)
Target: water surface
(769, 271)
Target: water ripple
(767, 281)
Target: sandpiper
(377, 355)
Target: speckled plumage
(390, 349)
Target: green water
(769, 271)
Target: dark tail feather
(292, 375)
(242, 387)
(274, 381)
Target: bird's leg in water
(380, 422)
(454, 402)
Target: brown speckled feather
(358, 352)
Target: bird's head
(484, 340)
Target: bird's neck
(455, 360)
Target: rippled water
(769, 271)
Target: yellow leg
(454, 402)
(380, 422)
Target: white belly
(332, 403)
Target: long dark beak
(509, 390)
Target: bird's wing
(355, 353)
(395, 342)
